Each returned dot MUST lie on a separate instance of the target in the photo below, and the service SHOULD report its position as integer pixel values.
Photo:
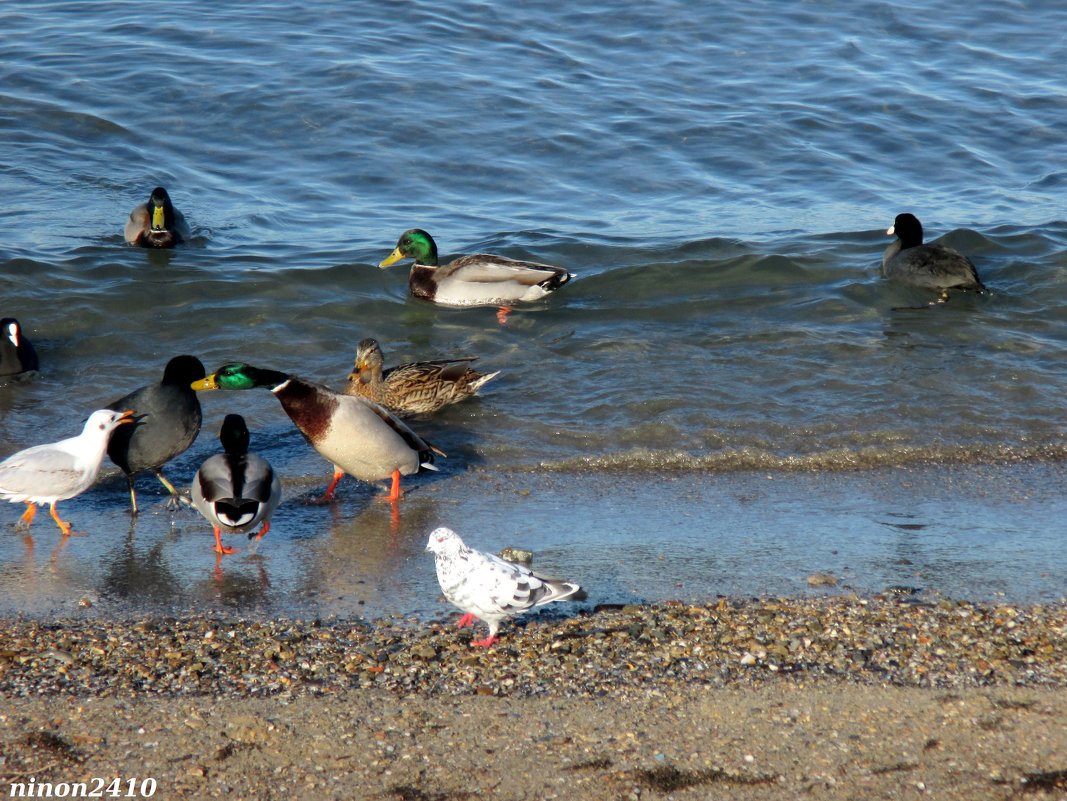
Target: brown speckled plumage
(413, 388)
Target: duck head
(162, 210)
(238, 375)
(234, 435)
(414, 244)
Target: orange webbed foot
(466, 620)
(219, 548)
(486, 642)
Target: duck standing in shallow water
(414, 388)
(168, 421)
(937, 267)
(477, 280)
(156, 224)
(17, 354)
(59, 470)
(357, 436)
(236, 490)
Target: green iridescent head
(414, 244)
(238, 375)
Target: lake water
(728, 399)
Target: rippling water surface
(729, 397)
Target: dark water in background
(726, 400)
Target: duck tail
(557, 280)
(482, 380)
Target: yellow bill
(392, 258)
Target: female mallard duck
(938, 267)
(358, 436)
(413, 388)
(17, 354)
(168, 422)
(476, 280)
(236, 490)
(156, 224)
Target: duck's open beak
(157, 218)
(392, 258)
(211, 382)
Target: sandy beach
(828, 698)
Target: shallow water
(720, 179)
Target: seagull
(59, 470)
(489, 588)
(236, 490)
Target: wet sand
(829, 698)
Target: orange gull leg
(64, 526)
(466, 620)
(502, 314)
(220, 549)
(27, 517)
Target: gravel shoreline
(638, 701)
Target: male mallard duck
(59, 470)
(156, 224)
(168, 420)
(358, 436)
(938, 267)
(17, 354)
(488, 588)
(413, 388)
(236, 490)
(476, 280)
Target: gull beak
(211, 382)
(127, 417)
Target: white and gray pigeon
(489, 588)
(59, 470)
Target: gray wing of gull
(40, 471)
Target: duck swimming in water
(156, 224)
(480, 279)
(416, 387)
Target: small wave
(641, 460)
